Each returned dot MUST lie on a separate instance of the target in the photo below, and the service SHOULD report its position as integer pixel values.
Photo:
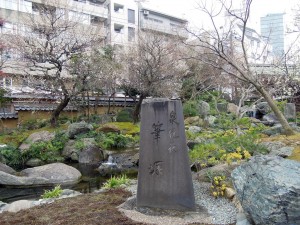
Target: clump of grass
(54, 193)
(116, 182)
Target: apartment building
(119, 20)
(128, 17)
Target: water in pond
(91, 180)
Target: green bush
(48, 151)
(54, 193)
(124, 116)
(113, 140)
(116, 182)
(12, 156)
(190, 109)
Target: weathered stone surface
(194, 129)
(268, 188)
(290, 111)
(18, 205)
(203, 109)
(277, 129)
(6, 169)
(70, 152)
(210, 120)
(164, 179)
(224, 169)
(229, 193)
(90, 153)
(36, 137)
(232, 108)
(78, 128)
(222, 107)
(106, 128)
(278, 148)
(269, 119)
(34, 162)
(241, 219)
(263, 108)
(195, 120)
(55, 173)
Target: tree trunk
(58, 110)
(137, 109)
(288, 130)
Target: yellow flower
(215, 194)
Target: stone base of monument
(130, 209)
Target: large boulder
(55, 173)
(203, 109)
(268, 188)
(232, 108)
(277, 129)
(78, 128)
(90, 153)
(6, 169)
(195, 120)
(70, 152)
(109, 128)
(36, 137)
(263, 108)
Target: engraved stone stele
(164, 179)
(290, 111)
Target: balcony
(93, 7)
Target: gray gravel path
(210, 210)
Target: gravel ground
(210, 210)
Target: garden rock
(278, 148)
(232, 108)
(268, 188)
(6, 169)
(90, 153)
(55, 173)
(220, 169)
(269, 119)
(203, 109)
(34, 162)
(210, 120)
(2, 206)
(78, 128)
(110, 128)
(194, 129)
(40, 136)
(222, 107)
(277, 129)
(18, 205)
(70, 152)
(195, 120)
(263, 108)
(241, 219)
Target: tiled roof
(9, 115)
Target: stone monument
(164, 179)
(290, 111)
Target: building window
(153, 20)
(131, 16)
(118, 28)
(131, 34)
(79, 17)
(118, 8)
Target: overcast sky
(187, 9)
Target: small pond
(91, 180)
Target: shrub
(12, 156)
(116, 182)
(190, 108)
(124, 116)
(54, 193)
(113, 140)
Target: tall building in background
(273, 29)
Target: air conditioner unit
(146, 12)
